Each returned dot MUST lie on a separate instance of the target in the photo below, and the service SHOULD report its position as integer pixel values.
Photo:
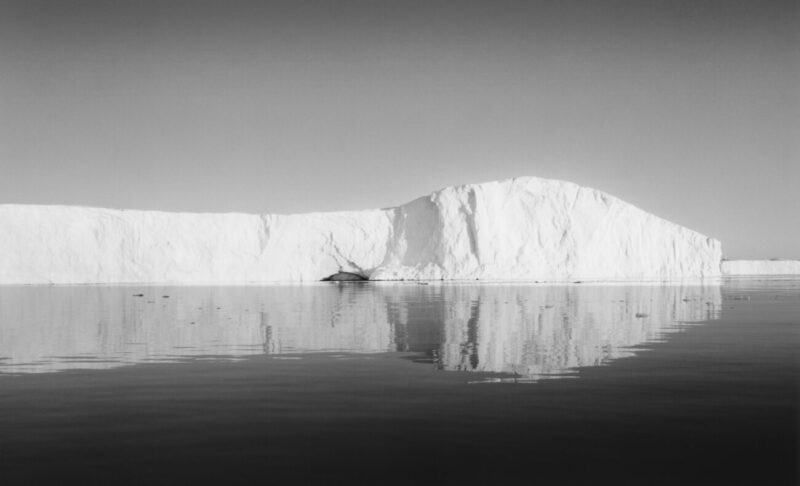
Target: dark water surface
(401, 384)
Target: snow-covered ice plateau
(526, 228)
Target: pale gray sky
(687, 109)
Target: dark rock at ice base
(345, 277)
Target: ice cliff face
(518, 229)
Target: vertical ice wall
(529, 228)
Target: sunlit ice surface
(506, 332)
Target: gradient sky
(687, 109)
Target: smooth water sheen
(401, 383)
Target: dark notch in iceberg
(345, 277)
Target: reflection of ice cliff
(46, 329)
(539, 331)
(527, 330)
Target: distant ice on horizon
(736, 268)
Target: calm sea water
(401, 383)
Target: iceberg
(525, 228)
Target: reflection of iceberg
(537, 331)
(45, 329)
(525, 330)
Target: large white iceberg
(518, 229)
